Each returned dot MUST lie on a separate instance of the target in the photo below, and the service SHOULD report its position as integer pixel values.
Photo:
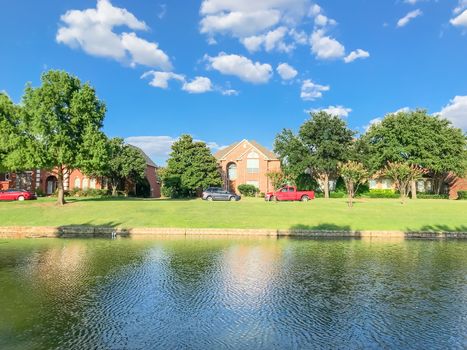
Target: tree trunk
(114, 188)
(414, 189)
(350, 191)
(326, 185)
(61, 192)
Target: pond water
(232, 293)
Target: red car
(290, 193)
(16, 195)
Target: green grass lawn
(367, 214)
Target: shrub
(462, 195)
(248, 190)
(432, 196)
(337, 194)
(382, 194)
(39, 192)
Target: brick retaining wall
(106, 232)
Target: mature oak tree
(419, 139)
(59, 127)
(322, 143)
(190, 168)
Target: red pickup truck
(290, 193)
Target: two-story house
(247, 162)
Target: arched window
(77, 183)
(232, 171)
(92, 184)
(85, 184)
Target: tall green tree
(8, 123)
(321, 144)
(190, 168)
(125, 163)
(419, 139)
(60, 128)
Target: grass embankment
(367, 214)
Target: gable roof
(145, 156)
(223, 152)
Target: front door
(50, 186)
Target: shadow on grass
(440, 228)
(89, 230)
(125, 199)
(321, 227)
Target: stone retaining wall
(106, 232)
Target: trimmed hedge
(248, 190)
(432, 196)
(462, 195)
(331, 194)
(382, 194)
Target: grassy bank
(367, 214)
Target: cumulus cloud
(92, 31)
(340, 111)
(311, 91)
(159, 147)
(372, 122)
(408, 17)
(356, 55)
(456, 112)
(460, 21)
(161, 79)
(241, 67)
(286, 71)
(323, 45)
(461, 6)
(257, 24)
(198, 85)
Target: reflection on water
(232, 293)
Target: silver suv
(219, 194)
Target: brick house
(247, 162)
(451, 185)
(46, 181)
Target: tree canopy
(420, 139)
(58, 128)
(321, 144)
(191, 167)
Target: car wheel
(233, 199)
(209, 198)
(21, 198)
(305, 199)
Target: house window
(372, 184)
(92, 184)
(252, 163)
(85, 184)
(232, 171)
(77, 183)
(386, 184)
(254, 183)
(421, 186)
(252, 166)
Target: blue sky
(225, 70)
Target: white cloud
(456, 112)
(460, 20)
(356, 55)
(333, 110)
(286, 71)
(311, 91)
(92, 31)
(229, 92)
(198, 85)
(241, 67)
(159, 147)
(161, 79)
(462, 5)
(408, 17)
(326, 47)
(254, 23)
(273, 40)
(402, 110)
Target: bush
(462, 195)
(39, 192)
(432, 196)
(383, 194)
(334, 194)
(248, 190)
